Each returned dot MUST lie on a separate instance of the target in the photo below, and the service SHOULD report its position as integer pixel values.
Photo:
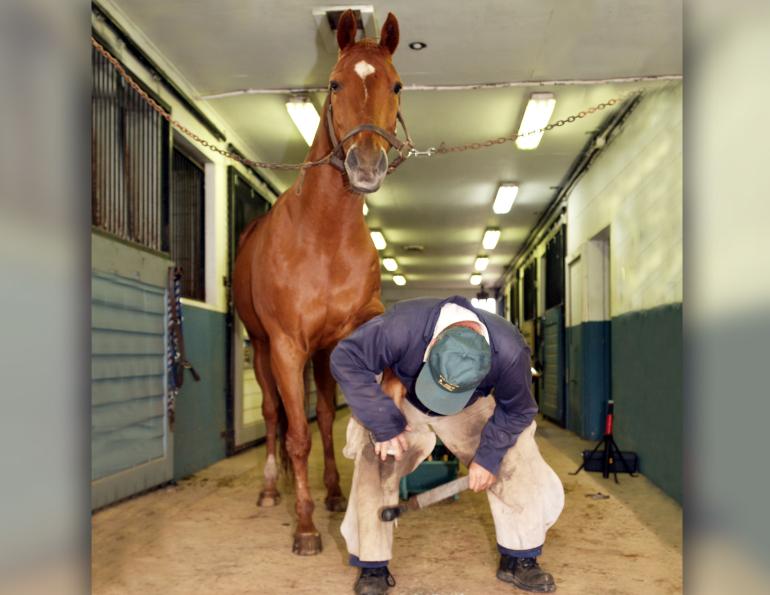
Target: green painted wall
(200, 406)
(647, 360)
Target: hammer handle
(425, 499)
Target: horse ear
(346, 29)
(389, 33)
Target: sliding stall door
(244, 408)
(131, 442)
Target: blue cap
(457, 363)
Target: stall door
(245, 424)
(574, 347)
(131, 442)
(552, 404)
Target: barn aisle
(206, 535)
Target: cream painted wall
(635, 187)
(216, 182)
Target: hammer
(442, 492)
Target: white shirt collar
(449, 315)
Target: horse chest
(348, 297)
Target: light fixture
(476, 279)
(304, 116)
(366, 209)
(418, 45)
(481, 263)
(399, 280)
(488, 304)
(536, 116)
(390, 264)
(484, 302)
(491, 237)
(506, 194)
(378, 239)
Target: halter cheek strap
(336, 157)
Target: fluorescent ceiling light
(476, 279)
(390, 264)
(399, 280)
(506, 194)
(491, 237)
(536, 116)
(481, 263)
(378, 239)
(366, 209)
(304, 116)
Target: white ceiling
(443, 203)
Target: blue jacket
(398, 338)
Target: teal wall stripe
(647, 360)
(645, 380)
(200, 406)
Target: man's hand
(479, 479)
(396, 446)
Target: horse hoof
(336, 503)
(307, 544)
(268, 498)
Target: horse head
(364, 92)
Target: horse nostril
(382, 163)
(351, 160)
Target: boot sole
(373, 591)
(511, 580)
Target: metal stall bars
(130, 145)
(187, 224)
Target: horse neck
(322, 144)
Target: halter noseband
(402, 147)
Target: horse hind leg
(269, 496)
(325, 409)
(288, 363)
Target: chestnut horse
(307, 273)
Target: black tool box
(594, 461)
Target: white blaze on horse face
(271, 469)
(364, 69)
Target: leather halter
(336, 157)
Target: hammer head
(390, 513)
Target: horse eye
(397, 88)
(334, 86)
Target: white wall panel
(635, 187)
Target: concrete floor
(206, 535)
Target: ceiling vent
(327, 17)
(414, 248)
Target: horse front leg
(288, 364)
(325, 410)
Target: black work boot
(526, 574)
(374, 581)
